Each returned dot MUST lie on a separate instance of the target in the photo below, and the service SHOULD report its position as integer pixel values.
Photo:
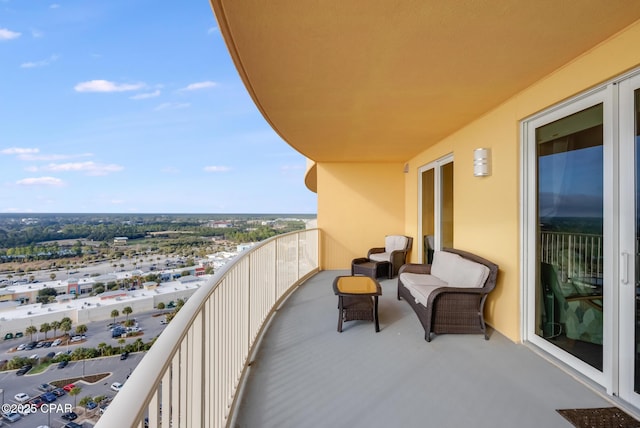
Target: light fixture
(482, 162)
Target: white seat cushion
(421, 285)
(380, 257)
(458, 271)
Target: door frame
(528, 215)
(626, 286)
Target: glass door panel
(634, 298)
(629, 284)
(447, 205)
(428, 215)
(569, 294)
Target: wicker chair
(395, 252)
(447, 307)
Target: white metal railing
(190, 377)
(573, 254)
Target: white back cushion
(458, 271)
(394, 242)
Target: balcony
(219, 364)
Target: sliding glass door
(569, 175)
(582, 235)
(436, 207)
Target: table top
(362, 285)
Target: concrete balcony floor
(306, 374)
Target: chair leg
(427, 336)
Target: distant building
(150, 285)
(120, 240)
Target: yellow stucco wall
(487, 209)
(358, 204)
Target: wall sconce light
(405, 169)
(481, 162)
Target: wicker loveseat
(448, 295)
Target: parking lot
(118, 370)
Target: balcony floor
(306, 374)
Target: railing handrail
(573, 253)
(141, 389)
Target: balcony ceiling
(381, 80)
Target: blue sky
(133, 106)
(571, 183)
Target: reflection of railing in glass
(573, 254)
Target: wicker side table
(357, 299)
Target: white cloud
(199, 85)
(146, 95)
(18, 151)
(51, 158)
(173, 106)
(42, 63)
(40, 181)
(107, 86)
(90, 168)
(212, 30)
(6, 34)
(36, 34)
(217, 168)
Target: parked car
(18, 334)
(8, 336)
(69, 387)
(21, 397)
(62, 364)
(24, 369)
(49, 397)
(21, 347)
(11, 417)
(124, 355)
(69, 416)
(37, 401)
(117, 332)
(45, 387)
(58, 392)
(78, 338)
(72, 425)
(91, 405)
(116, 386)
(56, 342)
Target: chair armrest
(415, 268)
(398, 257)
(454, 290)
(375, 250)
(594, 301)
